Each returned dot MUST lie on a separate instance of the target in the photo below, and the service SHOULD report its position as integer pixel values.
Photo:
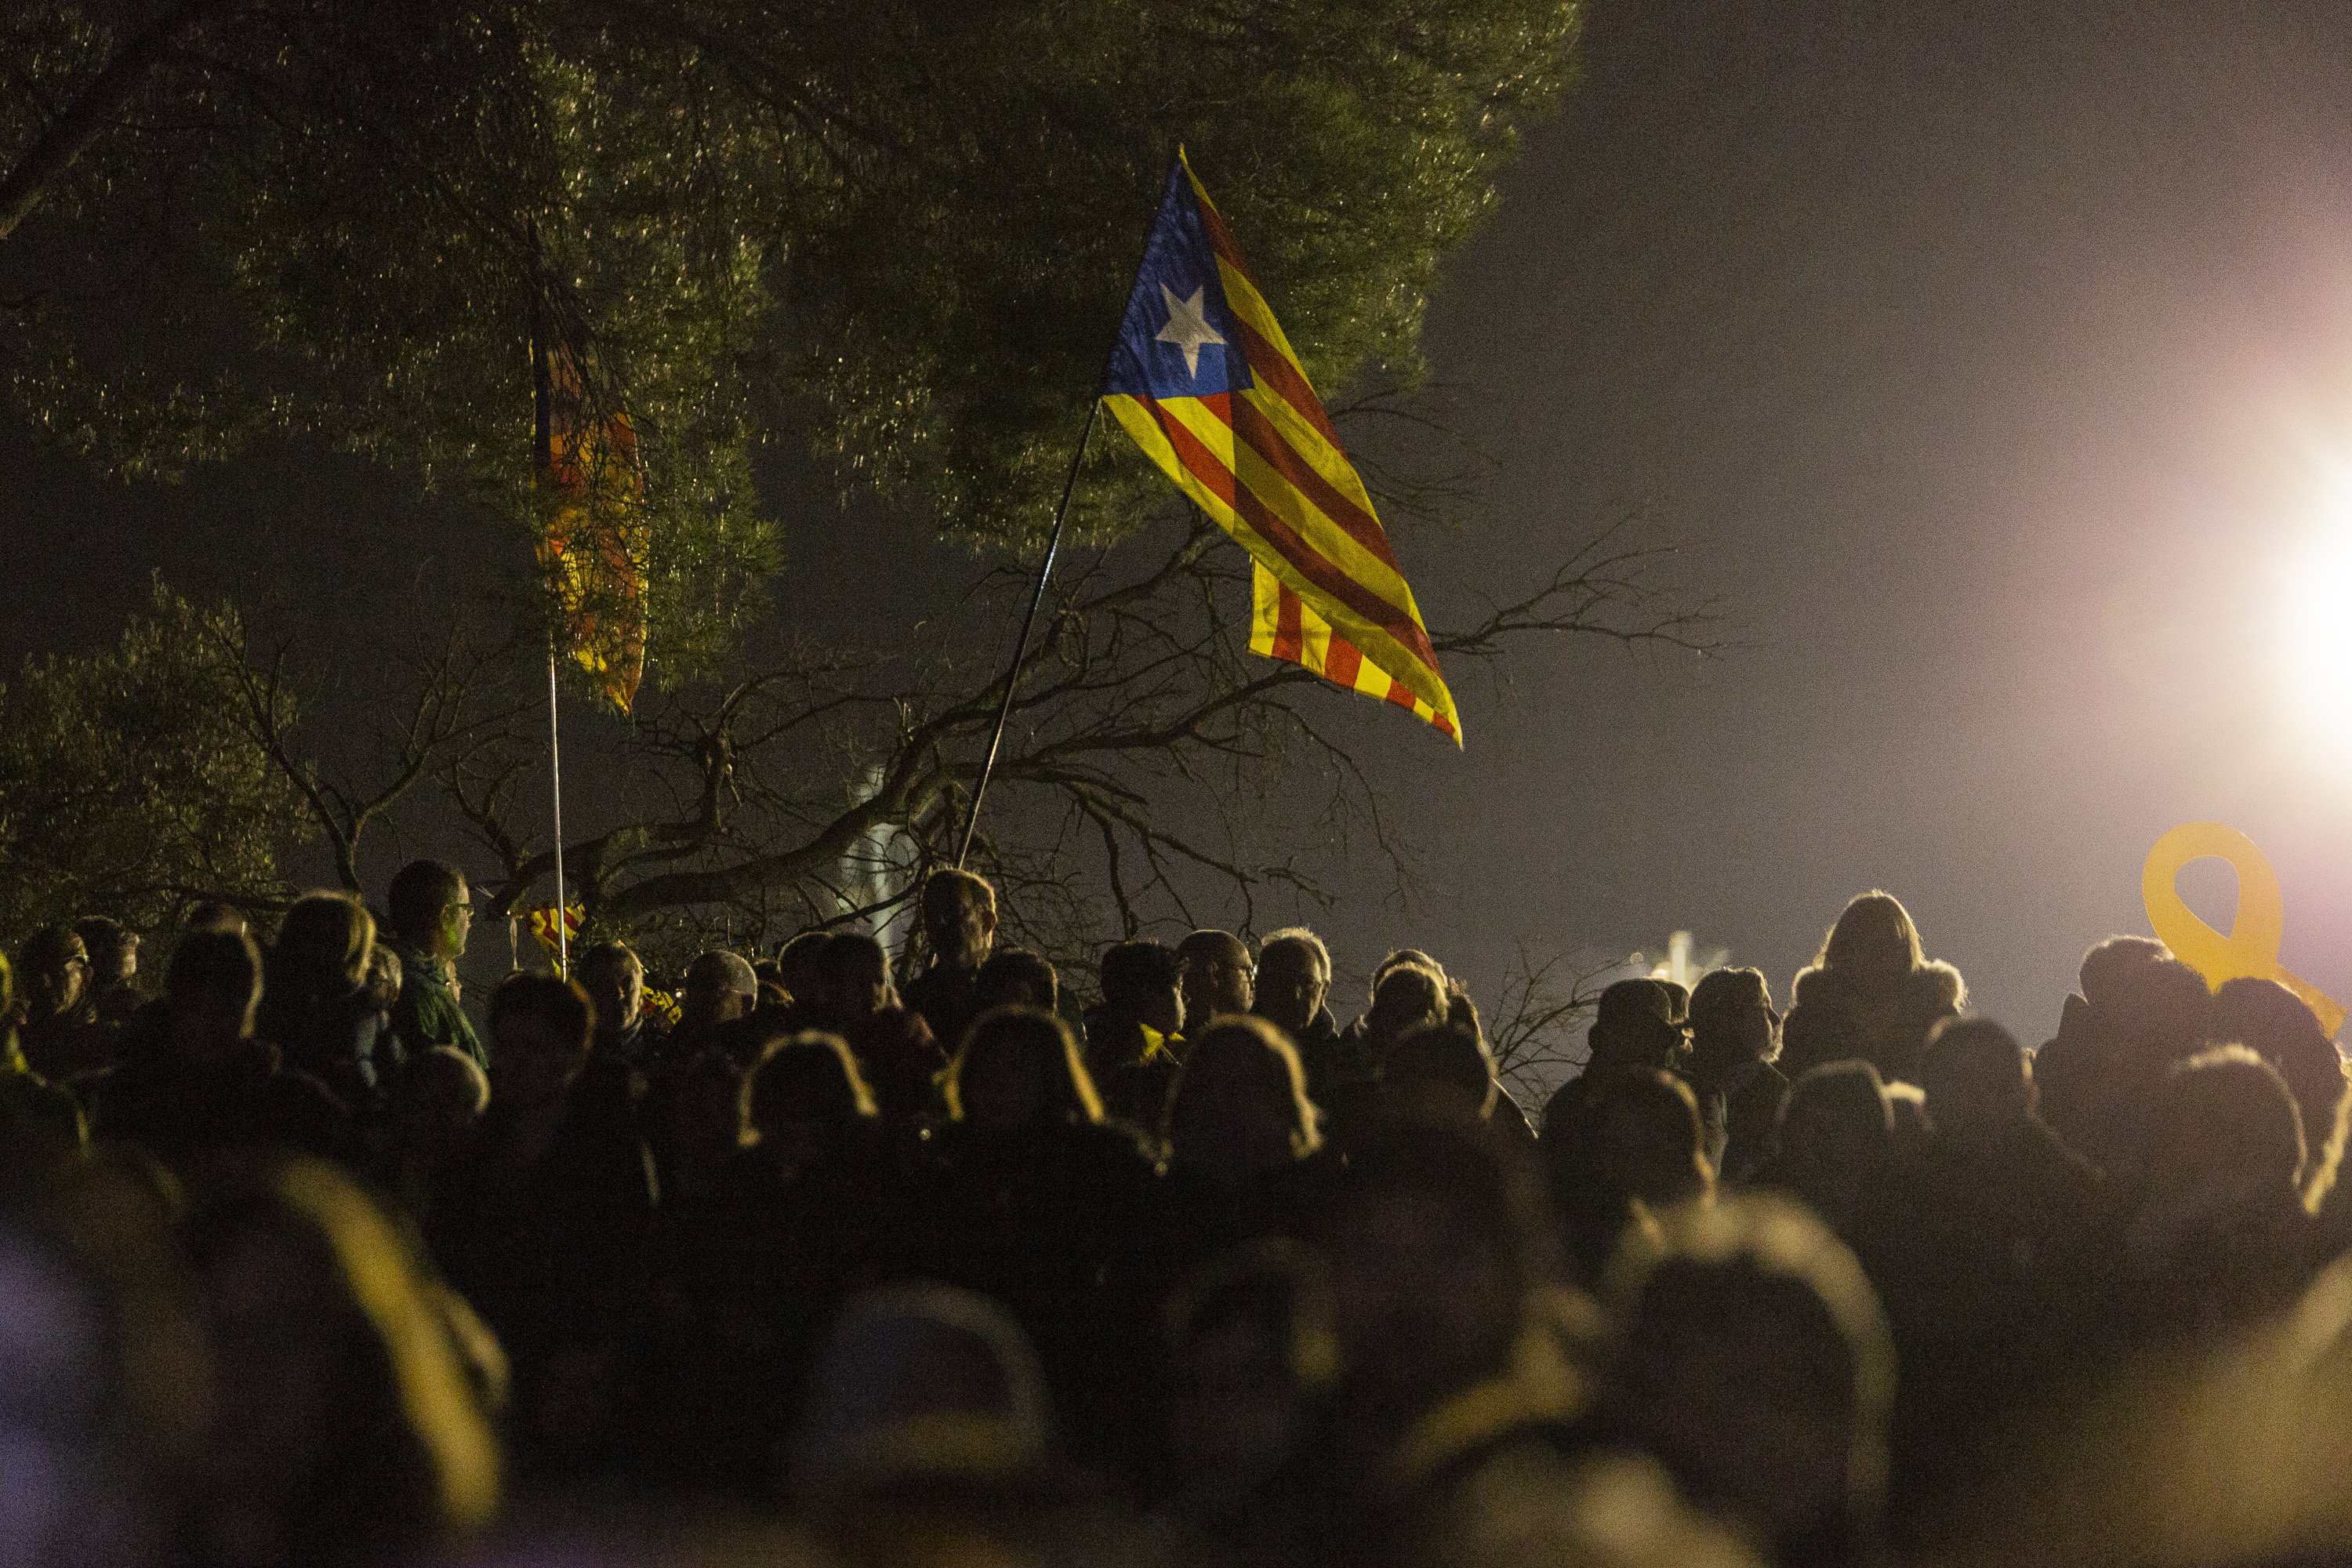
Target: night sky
(1987, 360)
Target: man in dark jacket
(432, 913)
(1294, 982)
(960, 930)
(58, 1019)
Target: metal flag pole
(555, 777)
(1028, 624)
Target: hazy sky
(1987, 360)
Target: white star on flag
(1188, 326)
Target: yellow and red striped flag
(597, 547)
(1204, 380)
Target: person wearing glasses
(431, 912)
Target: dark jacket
(1832, 1017)
(182, 1113)
(948, 1000)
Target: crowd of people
(297, 1265)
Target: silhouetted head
(1238, 1107)
(436, 1099)
(2152, 1014)
(211, 992)
(2223, 1125)
(1873, 940)
(2110, 964)
(720, 988)
(1448, 1057)
(344, 1429)
(1978, 1080)
(1218, 977)
(807, 1079)
(212, 915)
(1407, 997)
(2274, 1024)
(856, 983)
(1017, 977)
(1143, 982)
(1732, 1020)
(1437, 1230)
(1837, 1119)
(615, 978)
(430, 907)
(800, 961)
(1633, 1025)
(1400, 959)
(1019, 1071)
(1293, 979)
(1753, 1360)
(540, 1029)
(958, 919)
(329, 933)
(113, 949)
(56, 971)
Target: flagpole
(555, 777)
(1028, 624)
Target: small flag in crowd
(543, 925)
(597, 547)
(1204, 380)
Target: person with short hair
(113, 949)
(432, 912)
(1017, 977)
(717, 994)
(893, 1046)
(958, 921)
(1219, 979)
(1292, 990)
(1133, 1037)
(57, 1028)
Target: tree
(1152, 764)
(899, 229)
(131, 786)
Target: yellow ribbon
(2252, 948)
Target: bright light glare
(2318, 640)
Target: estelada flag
(1205, 382)
(597, 545)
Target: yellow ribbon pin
(2252, 948)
